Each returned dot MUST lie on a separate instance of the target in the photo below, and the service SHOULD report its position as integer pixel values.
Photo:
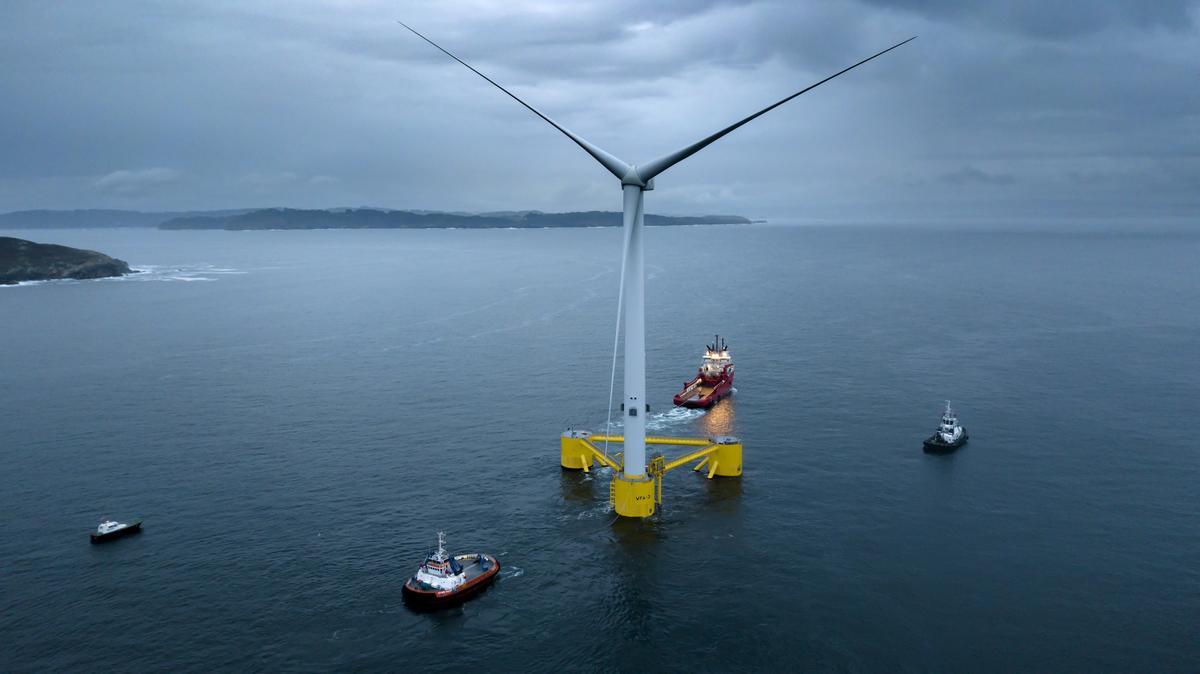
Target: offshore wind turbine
(635, 181)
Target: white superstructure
(949, 430)
(109, 526)
(716, 358)
(440, 570)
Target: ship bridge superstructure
(716, 359)
(440, 571)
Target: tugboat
(949, 436)
(110, 529)
(713, 381)
(443, 580)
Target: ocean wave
(149, 272)
(660, 421)
(601, 510)
(200, 272)
(673, 417)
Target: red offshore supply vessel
(713, 381)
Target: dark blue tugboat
(111, 529)
(949, 436)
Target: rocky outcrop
(22, 260)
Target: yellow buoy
(576, 451)
(633, 495)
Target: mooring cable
(612, 381)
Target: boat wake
(662, 421)
(601, 510)
(676, 416)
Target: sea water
(296, 414)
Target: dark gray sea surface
(296, 414)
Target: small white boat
(110, 529)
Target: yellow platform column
(576, 455)
(633, 496)
(727, 460)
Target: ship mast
(440, 555)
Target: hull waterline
(135, 528)
(424, 599)
(935, 445)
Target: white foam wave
(675, 416)
(601, 510)
(199, 272)
(660, 421)
(148, 272)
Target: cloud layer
(1003, 110)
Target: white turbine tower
(635, 180)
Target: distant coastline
(336, 218)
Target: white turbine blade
(651, 169)
(617, 167)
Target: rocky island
(22, 260)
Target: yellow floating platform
(635, 495)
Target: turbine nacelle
(633, 177)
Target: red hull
(713, 381)
(419, 598)
(722, 387)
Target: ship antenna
(441, 551)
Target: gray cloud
(135, 182)
(971, 175)
(313, 103)
(1056, 20)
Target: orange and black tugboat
(713, 381)
(444, 580)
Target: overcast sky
(1018, 109)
